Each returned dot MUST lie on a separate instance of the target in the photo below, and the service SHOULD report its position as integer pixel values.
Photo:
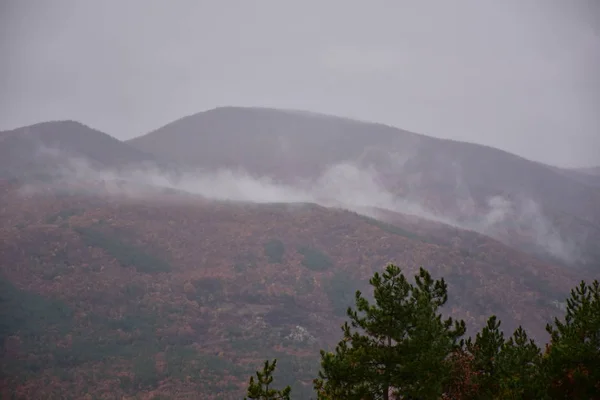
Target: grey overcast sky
(520, 75)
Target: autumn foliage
(167, 295)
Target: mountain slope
(264, 140)
(459, 181)
(173, 295)
(590, 170)
(589, 176)
(46, 147)
(290, 144)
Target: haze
(345, 185)
(517, 75)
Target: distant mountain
(589, 176)
(480, 187)
(46, 147)
(590, 170)
(537, 208)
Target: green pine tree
(485, 351)
(504, 369)
(396, 347)
(260, 389)
(572, 361)
(519, 372)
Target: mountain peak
(19, 153)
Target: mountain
(50, 147)
(590, 170)
(546, 211)
(121, 280)
(527, 204)
(108, 292)
(264, 141)
(589, 176)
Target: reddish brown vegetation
(222, 299)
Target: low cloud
(353, 186)
(505, 216)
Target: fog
(347, 185)
(525, 213)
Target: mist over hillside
(267, 155)
(468, 185)
(590, 170)
(47, 148)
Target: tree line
(401, 347)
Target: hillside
(546, 211)
(590, 170)
(158, 293)
(524, 203)
(53, 147)
(589, 176)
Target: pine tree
(485, 351)
(572, 361)
(504, 369)
(396, 347)
(400, 347)
(261, 388)
(518, 370)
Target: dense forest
(398, 345)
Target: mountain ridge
(449, 177)
(469, 184)
(49, 147)
(313, 114)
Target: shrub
(244, 261)
(340, 290)
(314, 259)
(274, 251)
(134, 291)
(207, 290)
(29, 313)
(63, 215)
(127, 255)
(305, 284)
(146, 375)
